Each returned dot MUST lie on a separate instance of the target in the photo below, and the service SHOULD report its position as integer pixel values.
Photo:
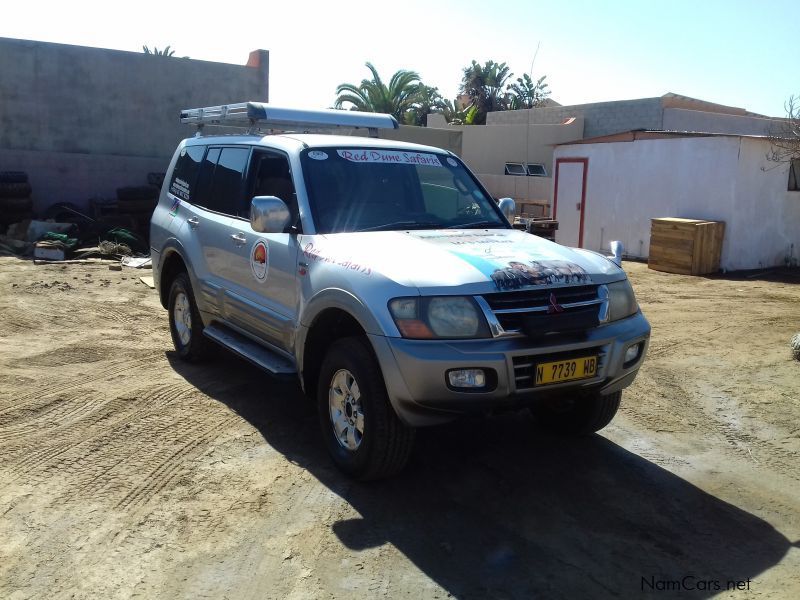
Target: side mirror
(508, 207)
(269, 214)
(616, 253)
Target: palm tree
(527, 93)
(372, 95)
(428, 100)
(484, 85)
(156, 52)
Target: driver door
(262, 297)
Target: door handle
(239, 239)
(193, 222)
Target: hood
(475, 261)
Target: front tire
(361, 430)
(185, 324)
(579, 415)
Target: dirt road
(126, 473)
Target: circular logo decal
(259, 260)
(452, 161)
(317, 155)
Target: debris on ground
(794, 344)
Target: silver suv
(385, 278)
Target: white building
(608, 188)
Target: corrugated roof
(655, 134)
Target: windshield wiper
(476, 225)
(402, 225)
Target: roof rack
(259, 115)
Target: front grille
(512, 309)
(525, 366)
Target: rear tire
(580, 415)
(185, 323)
(361, 430)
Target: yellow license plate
(566, 370)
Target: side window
(202, 193)
(185, 173)
(444, 195)
(226, 193)
(271, 176)
(220, 182)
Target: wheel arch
(171, 263)
(327, 326)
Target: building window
(516, 169)
(536, 170)
(794, 175)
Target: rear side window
(229, 180)
(185, 174)
(202, 193)
(220, 184)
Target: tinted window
(228, 179)
(202, 193)
(185, 173)
(270, 176)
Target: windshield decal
(318, 155)
(395, 157)
(452, 161)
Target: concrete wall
(488, 148)
(767, 220)
(716, 178)
(84, 121)
(449, 138)
(601, 118)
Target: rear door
(202, 222)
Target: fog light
(467, 378)
(632, 353)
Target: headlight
(621, 301)
(438, 317)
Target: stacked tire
(137, 202)
(15, 197)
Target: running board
(272, 362)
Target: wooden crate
(685, 246)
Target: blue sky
(736, 52)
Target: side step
(272, 362)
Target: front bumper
(416, 380)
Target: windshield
(370, 189)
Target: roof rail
(260, 115)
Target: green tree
(484, 85)
(156, 52)
(428, 100)
(526, 93)
(373, 95)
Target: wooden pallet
(685, 246)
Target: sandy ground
(126, 473)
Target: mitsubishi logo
(554, 307)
